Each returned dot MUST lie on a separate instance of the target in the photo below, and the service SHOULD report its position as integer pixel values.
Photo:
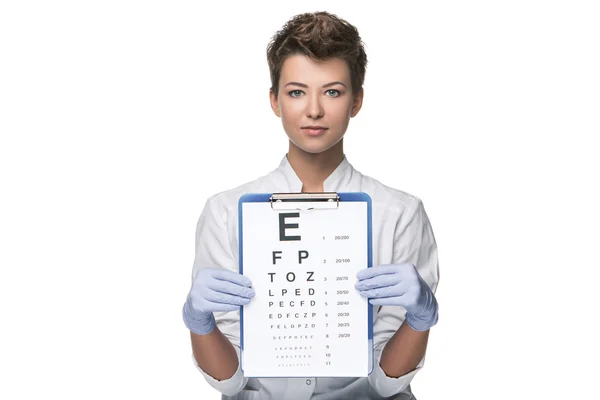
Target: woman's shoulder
(383, 194)
(229, 198)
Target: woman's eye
(333, 93)
(295, 93)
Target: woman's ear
(357, 104)
(274, 102)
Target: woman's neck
(313, 169)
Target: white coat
(401, 233)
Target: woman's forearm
(403, 351)
(215, 354)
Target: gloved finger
(388, 291)
(367, 273)
(221, 307)
(377, 282)
(404, 300)
(230, 276)
(231, 288)
(224, 298)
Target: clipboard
(352, 209)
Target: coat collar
(338, 181)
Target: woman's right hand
(214, 290)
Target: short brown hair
(320, 36)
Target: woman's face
(315, 102)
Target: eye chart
(302, 254)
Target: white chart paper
(306, 318)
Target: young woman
(317, 64)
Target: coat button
(308, 381)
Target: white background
(119, 118)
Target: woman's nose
(314, 108)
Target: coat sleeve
(414, 243)
(213, 250)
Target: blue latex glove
(400, 285)
(214, 289)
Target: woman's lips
(314, 131)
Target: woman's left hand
(400, 285)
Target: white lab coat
(401, 233)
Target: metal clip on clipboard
(305, 201)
